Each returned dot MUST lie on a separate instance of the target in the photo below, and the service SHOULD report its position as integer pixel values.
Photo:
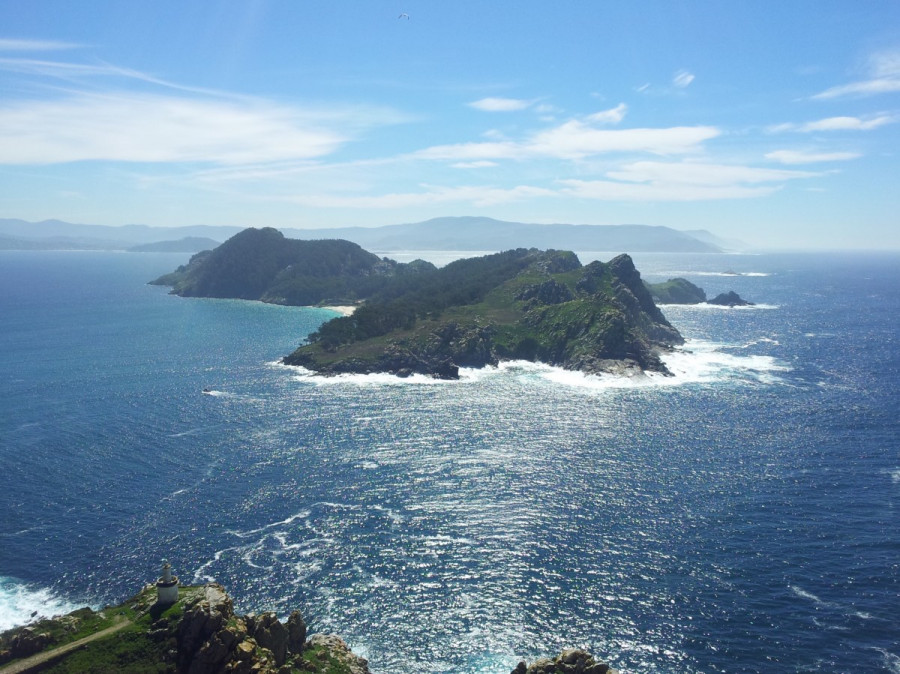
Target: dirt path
(29, 663)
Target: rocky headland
(200, 633)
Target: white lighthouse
(167, 586)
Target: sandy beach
(342, 310)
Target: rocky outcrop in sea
(571, 661)
(730, 299)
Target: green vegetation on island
(261, 264)
(676, 291)
(522, 304)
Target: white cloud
(475, 164)
(500, 104)
(76, 71)
(7, 44)
(682, 79)
(152, 128)
(867, 88)
(682, 181)
(474, 151)
(697, 173)
(802, 157)
(611, 116)
(575, 140)
(883, 76)
(844, 123)
(885, 63)
(607, 190)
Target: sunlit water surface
(739, 516)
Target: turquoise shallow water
(738, 517)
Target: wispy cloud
(882, 75)
(75, 72)
(474, 164)
(682, 79)
(804, 157)
(682, 181)
(578, 139)
(607, 190)
(7, 44)
(500, 104)
(844, 123)
(136, 127)
(702, 173)
(611, 116)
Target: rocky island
(523, 304)
(261, 264)
(682, 291)
(730, 299)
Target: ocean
(742, 515)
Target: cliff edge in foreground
(197, 634)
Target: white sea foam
(21, 603)
(697, 362)
(891, 660)
(895, 476)
(803, 594)
(303, 514)
(719, 273)
(761, 340)
(720, 307)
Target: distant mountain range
(451, 233)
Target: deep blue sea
(741, 516)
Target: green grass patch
(321, 661)
(128, 650)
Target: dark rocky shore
(200, 633)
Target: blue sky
(773, 122)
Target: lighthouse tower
(167, 586)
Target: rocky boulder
(272, 635)
(340, 651)
(199, 634)
(296, 628)
(28, 642)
